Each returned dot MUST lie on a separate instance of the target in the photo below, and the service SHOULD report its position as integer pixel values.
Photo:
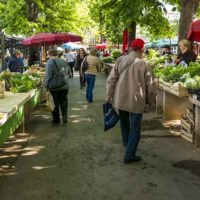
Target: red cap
(137, 44)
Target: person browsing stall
(54, 67)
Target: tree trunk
(131, 33)
(32, 10)
(188, 10)
(2, 38)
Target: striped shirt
(93, 65)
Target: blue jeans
(90, 80)
(130, 130)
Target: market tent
(44, 39)
(60, 49)
(71, 46)
(101, 46)
(50, 39)
(162, 42)
(194, 31)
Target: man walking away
(129, 87)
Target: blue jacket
(14, 65)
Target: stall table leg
(159, 102)
(197, 126)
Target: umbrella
(101, 46)
(71, 45)
(194, 31)
(50, 38)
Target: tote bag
(110, 116)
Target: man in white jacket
(129, 87)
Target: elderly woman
(187, 55)
(90, 74)
(55, 69)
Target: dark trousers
(130, 130)
(61, 101)
(82, 79)
(71, 65)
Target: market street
(79, 161)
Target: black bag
(84, 65)
(76, 67)
(57, 80)
(110, 116)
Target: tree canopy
(32, 16)
(115, 15)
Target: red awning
(50, 39)
(194, 31)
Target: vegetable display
(188, 76)
(17, 82)
(23, 83)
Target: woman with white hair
(187, 55)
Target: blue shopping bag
(110, 116)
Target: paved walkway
(78, 161)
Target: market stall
(176, 85)
(15, 111)
(45, 39)
(23, 94)
(171, 100)
(196, 104)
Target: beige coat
(131, 84)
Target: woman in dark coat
(186, 55)
(79, 59)
(54, 67)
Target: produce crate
(187, 130)
(176, 90)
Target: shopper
(129, 87)
(90, 74)
(13, 63)
(79, 59)
(70, 60)
(54, 67)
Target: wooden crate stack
(171, 88)
(2, 89)
(187, 125)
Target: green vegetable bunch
(116, 54)
(107, 59)
(23, 83)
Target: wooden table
(171, 101)
(108, 67)
(196, 103)
(15, 110)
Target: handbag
(84, 65)
(110, 116)
(57, 80)
(50, 101)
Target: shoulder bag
(57, 80)
(84, 65)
